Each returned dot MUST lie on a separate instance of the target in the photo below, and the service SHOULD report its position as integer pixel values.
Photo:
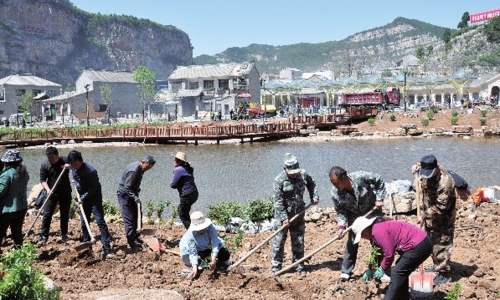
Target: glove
(379, 273)
(367, 275)
(138, 201)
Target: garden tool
(268, 238)
(156, 245)
(421, 283)
(140, 230)
(44, 202)
(319, 249)
(83, 246)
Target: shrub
(233, 243)
(260, 209)
(109, 208)
(21, 280)
(482, 121)
(454, 120)
(483, 112)
(425, 122)
(392, 117)
(435, 110)
(430, 115)
(160, 207)
(150, 208)
(255, 211)
(454, 113)
(371, 121)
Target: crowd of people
(357, 198)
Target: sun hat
(180, 156)
(291, 164)
(12, 156)
(359, 225)
(199, 221)
(428, 165)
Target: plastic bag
(479, 195)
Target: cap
(291, 164)
(149, 159)
(428, 165)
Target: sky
(213, 26)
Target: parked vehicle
(377, 98)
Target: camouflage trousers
(297, 231)
(442, 240)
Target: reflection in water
(246, 171)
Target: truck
(379, 99)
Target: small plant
(392, 117)
(372, 259)
(454, 113)
(371, 121)
(160, 207)
(431, 114)
(425, 122)
(175, 214)
(150, 208)
(483, 112)
(109, 208)
(233, 243)
(482, 121)
(455, 293)
(435, 110)
(454, 120)
(20, 279)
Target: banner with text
(484, 16)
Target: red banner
(484, 16)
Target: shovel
(268, 239)
(421, 283)
(318, 249)
(157, 246)
(140, 230)
(84, 246)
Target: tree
(25, 103)
(492, 30)
(420, 52)
(447, 36)
(107, 98)
(465, 20)
(430, 50)
(146, 81)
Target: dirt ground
(147, 275)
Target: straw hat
(180, 156)
(359, 225)
(199, 221)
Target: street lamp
(405, 91)
(87, 104)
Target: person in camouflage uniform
(289, 188)
(438, 213)
(354, 195)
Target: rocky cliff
(55, 40)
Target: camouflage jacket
(289, 194)
(368, 188)
(439, 200)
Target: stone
(461, 129)
(315, 217)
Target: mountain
(55, 40)
(372, 50)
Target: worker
(354, 195)
(50, 172)
(410, 242)
(13, 196)
(128, 198)
(183, 181)
(199, 242)
(89, 188)
(438, 217)
(289, 188)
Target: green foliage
(490, 60)
(260, 209)
(435, 110)
(110, 208)
(21, 280)
(454, 120)
(372, 259)
(392, 117)
(254, 210)
(150, 208)
(420, 53)
(454, 113)
(483, 112)
(386, 73)
(430, 115)
(146, 81)
(160, 207)
(455, 293)
(492, 30)
(25, 103)
(447, 36)
(371, 121)
(425, 122)
(482, 121)
(233, 243)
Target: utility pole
(87, 104)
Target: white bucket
(489, 193)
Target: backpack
(460, 183)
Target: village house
(13, 87)
(210, 88)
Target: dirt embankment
(475, 265)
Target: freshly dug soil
(147, 275)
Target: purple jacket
(183, 180)
(395, 236)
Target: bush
(454, 113)
(430, 115)
(454, 120)
(435, 110)
(110, 209)
(255, 211)
(21, 280)
(260, 209)
(392, 117)
(371, 121)
(482, 121)
(425, 122)
(483, 112)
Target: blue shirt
(192, 242)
